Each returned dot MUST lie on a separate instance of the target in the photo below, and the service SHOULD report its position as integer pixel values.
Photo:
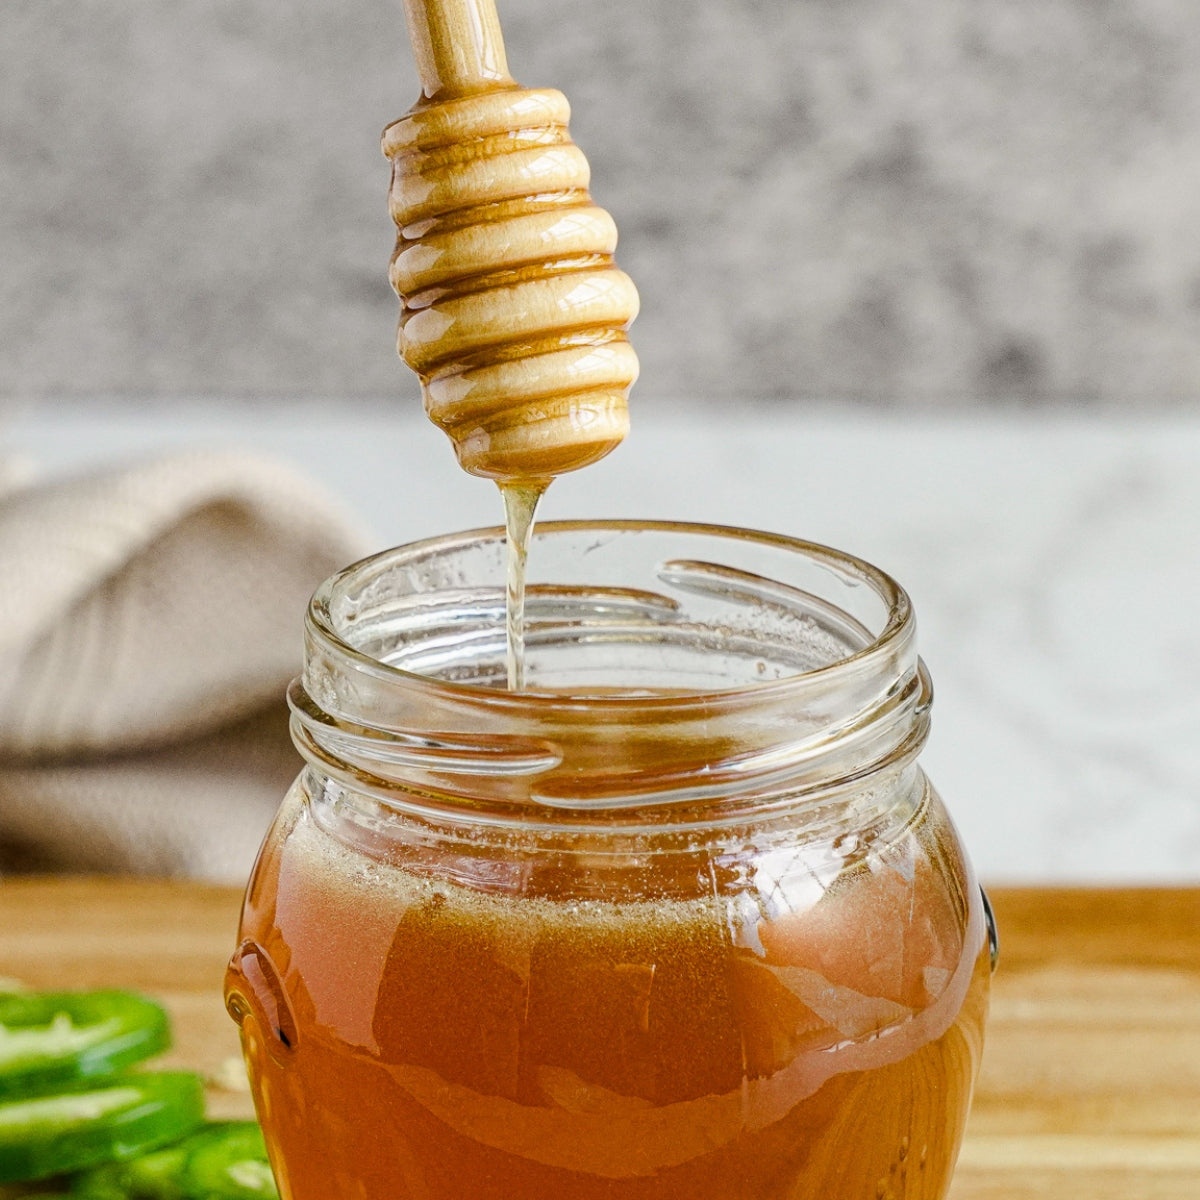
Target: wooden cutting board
(1090, 1087)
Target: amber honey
(439, 1040)
(684, 920)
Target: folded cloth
(150, 618)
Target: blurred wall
(920, 201)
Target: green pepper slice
(224, 1160)
(154, 1176)
(48, 1039)
(230, 1164)
(96, 1122)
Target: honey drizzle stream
(520, 503)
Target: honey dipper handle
(458, 46)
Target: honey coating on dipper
(514, 312)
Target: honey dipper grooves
(514, 313)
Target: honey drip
(520, 503)
(513, 312)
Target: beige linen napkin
(150, 618)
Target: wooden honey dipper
(514, 314)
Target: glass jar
(685, 919)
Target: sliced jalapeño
(225, 1160)
(231, 1164)
(97, 1121)
(48, 1039)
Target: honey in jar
(684, 919)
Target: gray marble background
(933, 202)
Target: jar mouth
(336, 614)
(667, 662)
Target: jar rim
(897, 626)
(848, 695)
